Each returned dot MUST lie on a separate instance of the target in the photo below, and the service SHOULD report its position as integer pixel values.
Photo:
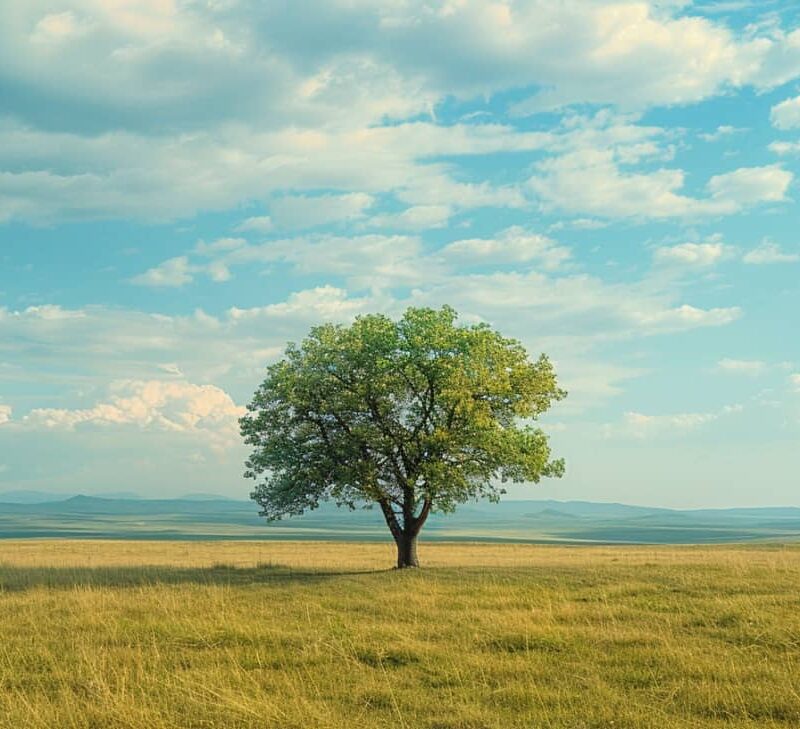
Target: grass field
(175, 634)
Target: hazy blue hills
(26, 496)
(206, 516)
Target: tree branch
(391, 519)
(420, 519)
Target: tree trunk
(406, 551)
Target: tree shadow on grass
(19, 579)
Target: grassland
(290, 635)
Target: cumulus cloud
(591, 182)
(742, 366)
(599, 173)
(179, 271)
(794, 380)
(162, 405)
(51, 312)
(550, 306)
(576, 307)
(171, 368)
(122, 174)
(323, 302)
(786, 115)
(221, 245)
(302, 211)
(690, 254)
(55, 28)
(640, 425)
(579, 224)
(512, 245)
(209, 106)
(107, 344)
(416, 218)
(768, 252)
(378, 59)
(173, 272)
(255, 224)
(749, 185)
(5, 413)
(685, 317)
(364, 261)
(721, 132)
(785, 148)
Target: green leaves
(415, 414)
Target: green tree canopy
(415, 415)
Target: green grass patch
(253, 635)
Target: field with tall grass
(150, 635)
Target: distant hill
(206, 516)
(29, 496)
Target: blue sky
(186, 186)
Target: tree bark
(406, 551)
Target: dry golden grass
(293, 634)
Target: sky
(186, 186)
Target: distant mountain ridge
(28, 496)
(206, 516)
(520, 508)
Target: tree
(415, 415)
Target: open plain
(486, 636)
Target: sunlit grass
(225, 634)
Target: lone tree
(414, 415)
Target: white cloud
(681, 421)
(685, 317)
(55, 28)
(742, 366)
(417, 217)
(640, 425)
(107, 344)
(512, 245)
(256, 224)
(559, 311)
(591, 182)
(221, 245)
(173, 272)
(785, 148)
(578, 308)
(51, 312)
(383, 59)
(5, 414)
(579, 224)
(119, 174)
(639, 54)
(218, 271)
(171, 368)
(296, 212)
(749, 185)
(721, 132)
(599, 172)
(786, 115)
(179, 271)
(690, 254)
(794, 380)
(323, 302)
(769, 252)
(364, 261)
(206, 106)
(173, 406)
